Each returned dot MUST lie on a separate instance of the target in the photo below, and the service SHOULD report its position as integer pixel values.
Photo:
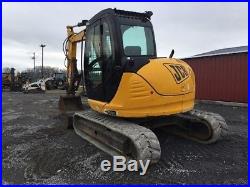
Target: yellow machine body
(164, 86)
(125, 79)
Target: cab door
(110, 79)
(93, 63)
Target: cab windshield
(137, 40)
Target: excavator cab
(117, 41)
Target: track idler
(200, 126)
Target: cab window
(137, 40)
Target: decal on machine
(178, 71)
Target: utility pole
(42, 46)
(34, 58)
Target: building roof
(224, 51)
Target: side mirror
(171, 54)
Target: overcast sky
(189, 28)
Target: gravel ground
(38, 148)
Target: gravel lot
(38, 148)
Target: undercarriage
(135, 139)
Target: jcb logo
(178, 71)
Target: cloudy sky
(189, 28)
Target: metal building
(221, 75)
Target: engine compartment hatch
(176, 77)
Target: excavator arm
(73, 77)
(70, 103)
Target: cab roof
(123, 13)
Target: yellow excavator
(130, 91)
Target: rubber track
(215, 121)
(147, 146)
